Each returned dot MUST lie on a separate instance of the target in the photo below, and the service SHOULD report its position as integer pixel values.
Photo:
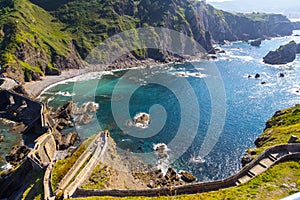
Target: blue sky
(291, 8)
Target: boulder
(281, 75)
(151, 184)
(256, 42)
(246, 159)
(17, 155)
(187, 177)
(68, 140)
(66, 111)
(283, 55)
(257, 75)
(171, 175)
(293, 139)
(84, 119)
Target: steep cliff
(32, 42)
(41, 37)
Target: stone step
(244, 179)
(251, 174)
(272, 157)
(266, 162)
(257, 169)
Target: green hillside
(42, 37)
(31, 40)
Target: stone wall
(289, 151)
(13, 105)
(19, 108)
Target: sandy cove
(34, 88)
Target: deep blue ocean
(248, 104)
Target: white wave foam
(196, 159)
(79, 78)
(7, 166)
(189, 74)
(140, 120)
(65, 94)
(162, 152)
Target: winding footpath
(264, 161)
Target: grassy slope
(34, 28)
(280, 128)
(61, 167)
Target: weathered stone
(281, 75)
(17, 154)
(256, 42)
(187, 177)
(246, 159)
(293, 139)
(151, 184)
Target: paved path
(78, 164)
(89, 167)
(264, 163)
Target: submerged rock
(283, 55)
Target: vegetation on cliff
(41, 37)
(279, 129)
(32, 41)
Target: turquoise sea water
(248, 105)
(10, 139)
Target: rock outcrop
(17, 155)
(256, 42)
(187, 177)
(283, 55)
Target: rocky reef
(283, 55)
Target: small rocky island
(283, 55)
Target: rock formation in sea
(256, 42)
(283, 55)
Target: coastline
(36, 88)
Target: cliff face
(229, 26)
(32, 42)
(41, 37)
